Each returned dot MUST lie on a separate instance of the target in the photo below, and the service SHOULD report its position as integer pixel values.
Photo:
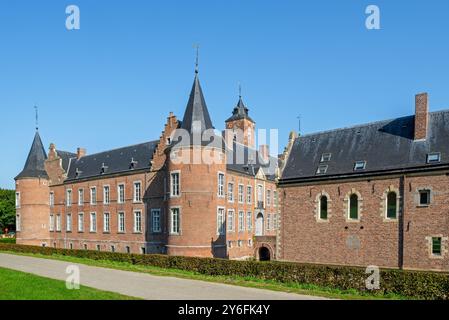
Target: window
(241, 196)
(275, 221)
(392, 205)
(249, 221)
(58, 222)
(221, 183)
(137, 221)
(93, 196)
(325, 157)
(230, 221)
(106, 195)
(239, 243)
(142, 250)
(71, 246)
(52, 199)
(98, 247)
(121, 222)
(436, 246)
(69, 198)
(174, 221)
(18, 227)
(354, 207)
(121, 193)
(250, 242)
(276, 199)
(112, 248)
(322, 169)
(156, 220)
(127, 249)
(106, 222)
(249, 194)
(80, 222)
(137, 192)
(221, 221)
(241, 221)
(433, 157)
(93, 222)
(174, 184)
(52, 223)
(230, 192)
(69, 223)
(269, 221)
(323, 208)
(85, 246)
(424, 197)
(360, 165)
(259, 193)
(80, 197)
(17, 199)
(268, 197)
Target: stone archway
(264, 254)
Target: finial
(240, 90)
(299, 124)
(197, 47)
(37, 117)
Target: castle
(374, 194)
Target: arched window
(323, 208)
(392, 205)
(354, 207)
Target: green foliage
(414, 284)
(8, 240)
(7, 209)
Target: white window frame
(119, 195)
(69, 196)
(221, 221)
(230, 220)
(93, 222)
(18, 225)
(241, 221)
(221, 185)
(433, 157)
(52, 199)
(172, 225)
(249, 221)
(137, 221)
(137, 192)
(175, 193)
(359, 165)
(268, 221)
(241, 193)
(260, 194)
(230, 191)
(18, 200)
(249, 194)
(275, 198)
(52, 223)
(68, 222)
(106, 222)
(93, 196)
(121, 223)
(81, 197)
(156, 220)
(81, 222)
(268, 196)
(106, 195)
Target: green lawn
(232, 280)
(15, 285)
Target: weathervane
(197, 47)
(37, 117)
(240, 90)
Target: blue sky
(114, 81)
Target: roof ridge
(365, 124)
(118, 148)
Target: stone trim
(444, 246)
(346, 206)
(383, 204)
(318, 207)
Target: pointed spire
(34, 165)
(196, 117)
(240, 111)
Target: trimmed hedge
(415, 284)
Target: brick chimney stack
(421, 116)
(264, 153)
(80, 152)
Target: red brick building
(156, 197)
(374, 194)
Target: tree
(7, 209)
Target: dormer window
(434, 157)
(133, 163)
(103, 168)
(77, 172)
(360, 165)
(322, 169)
(326, 157)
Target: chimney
(80, 152)
(421, 116)
(264, 153)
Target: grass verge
(251, 282)
(17, 285)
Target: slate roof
(65, 157)
(135, 157)
(240, 112)
(34, 165)
(196, 116)
(385, 146)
